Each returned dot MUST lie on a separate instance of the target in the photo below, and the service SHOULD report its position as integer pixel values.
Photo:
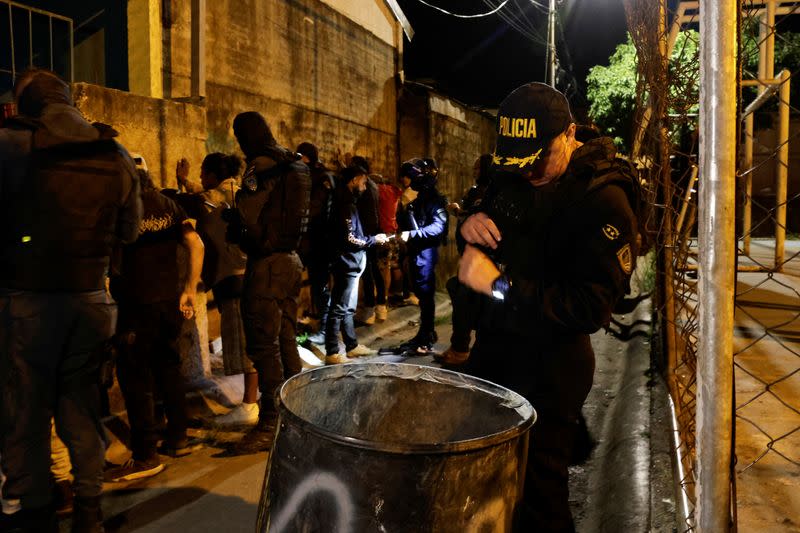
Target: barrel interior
(414, 409)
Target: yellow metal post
(782, 172)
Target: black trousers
(461, 320)
(555, 374)
(49, 354)
(149, 363)
(319, 279)
(269, 311)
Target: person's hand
(480, 229)
(405, 235)
(477, 271)
(187, 303)
(381, 238)
(182, 170)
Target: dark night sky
(479, 61)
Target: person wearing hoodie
(348, 264)
(70, 193)
(271, 217)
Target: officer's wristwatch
(500, 287)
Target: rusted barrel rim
(508, 398)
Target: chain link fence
(765, 472)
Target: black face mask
(356, 194)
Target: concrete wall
(432, 125)
(314, 73)
(162, 131)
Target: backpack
(261, 227)
(65, 210)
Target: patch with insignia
(625, 258)
(610, 232)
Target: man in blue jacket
(424, 229)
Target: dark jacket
(368, 208)
(426, 220)
(350, 240)
(273, 202)
(315, 243)
(568, 247)
(70, 194)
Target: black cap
(528, 119)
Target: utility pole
(551, 45)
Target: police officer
(69, 194)
(273, 208)
(424, 229)
(551, 250)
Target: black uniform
(568, 248)
(69, 193)
(273, 274)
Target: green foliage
(611, 91)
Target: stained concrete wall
(162, 131)
(314, 73)
(432, 125)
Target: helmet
(421, 172)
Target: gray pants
(49, 354)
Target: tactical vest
(60, 228)
(273, 207)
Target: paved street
(208, 492)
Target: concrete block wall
(432, 125)
(163, 131)
(315, 74)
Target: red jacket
(388, 197)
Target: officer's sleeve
(130, 213)
(435, 228)
(594, 277)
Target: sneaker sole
(140, 475)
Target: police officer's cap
(528, 120)
(413, 168)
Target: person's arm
(434, 229)
(194, 265)
(582, 298)
(182, 176)
(130, 213)
(354, 240)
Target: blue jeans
(344, 299)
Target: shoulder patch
(610, 232)
(625, 258)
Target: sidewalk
(214, 394)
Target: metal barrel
(395, 447)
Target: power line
(479, 15)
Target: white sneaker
(244, 414)
(381, 312)
(360, 351)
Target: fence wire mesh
(766, 347)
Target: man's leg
(337, 312)
(165, 362)
(78, 418)
(33, 327)
(319, 278)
